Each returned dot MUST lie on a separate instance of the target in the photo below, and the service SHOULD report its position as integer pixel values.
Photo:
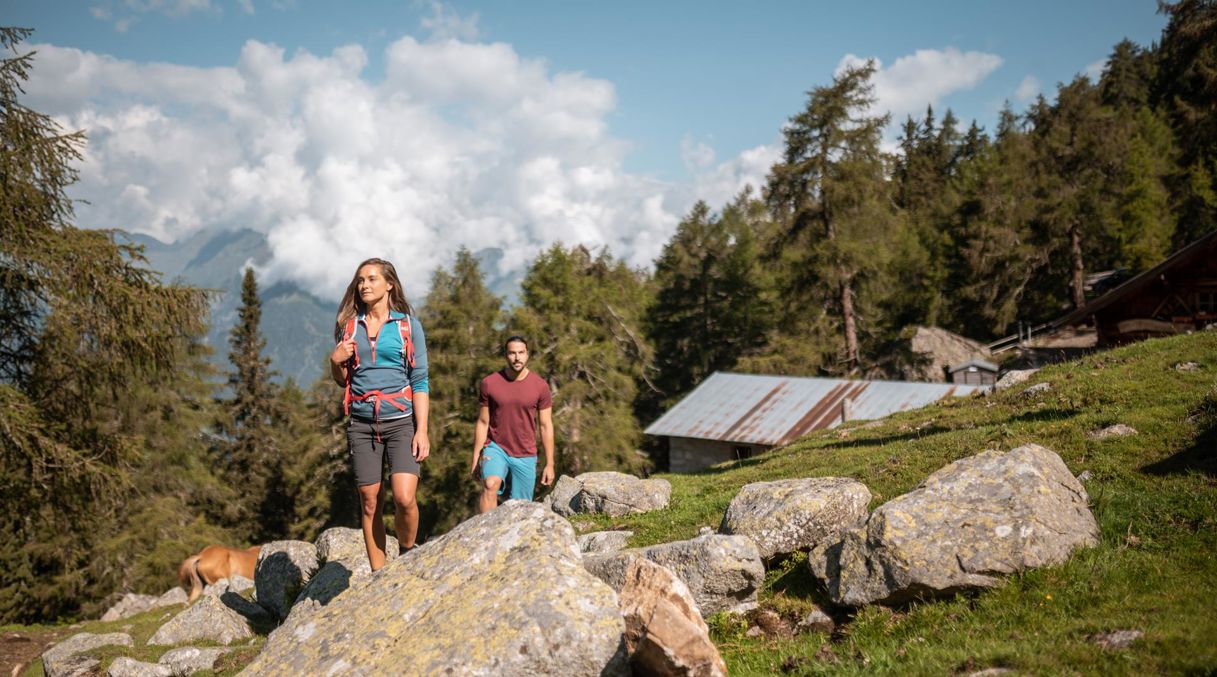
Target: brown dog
(213, 563)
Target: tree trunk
(851, 328)
(1078, 280)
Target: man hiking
(513, 402)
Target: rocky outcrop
(788, 515)
(283, 569)
(1013, 378)
(603, 541)
(664, 631)
(130, 605)
(235, 584)
(610, 493)
(723, 573)
(444, 609)
(962, 528)
(208, 619)
(64, 658)
(174, 595)
(343, 544)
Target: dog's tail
(188, 576)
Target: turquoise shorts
(522, 470)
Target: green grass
(1154, 495)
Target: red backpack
(407, 349)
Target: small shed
(974, 372)
(736, 416)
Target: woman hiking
(381, 360)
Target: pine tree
(463, 320)
(82, 324)
(831, 193)
(711, 305)
(583, 317)
(254, 455)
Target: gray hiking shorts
(368, 454)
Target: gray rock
(76, 666)
(723, 572)
(816, 621)
(1037, 389)
(236, 584)
(130, 605)
(342, 544)
(208, 619)
(561, 499)
(443, 609)
(609, 493)
(664, 631)
(64, 659)
(788, 515)
(1085, 476)
(188, 660)
(1013, 378)
(966, 525)
(283, 569)
(170, 597)
(1117, 639)
(331, 580)
(1187, 366)
(1117, 430)
(603, 541)
(129, 667)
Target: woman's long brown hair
(353, 306)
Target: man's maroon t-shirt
(513, 409)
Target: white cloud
(444, 23)
(460, 144)
(125, 13)
(1094, 71)
(1027, 89)
(924, 78)
(246, 6)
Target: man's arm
(480, 431)
(545, 418)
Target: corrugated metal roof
(773, 410)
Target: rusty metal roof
(773, 410)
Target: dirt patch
(19, 648)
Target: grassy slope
(1154, 495)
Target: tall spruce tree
(712, 306)
(254, 456)
(82, 323)
(463, 320)
(582, 314)
(831, 193)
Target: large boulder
(64, 658)
(788, 515)
(129, 667)
(723, 573)
(664, 631)
(131, 604)
(610, 493)
(174, 595)
(962, 528)
(502, 593)
(1014, 377)
(282, 571)
(208, 619)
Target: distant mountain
(298, 326)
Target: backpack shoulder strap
(407, 342)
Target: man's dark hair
(514, 339)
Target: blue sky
(497, 124)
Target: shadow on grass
(1201, 456)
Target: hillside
(1153, 493)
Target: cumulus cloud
(444, 23)
(924, 78)
(1028, 88)
(460, 143)
(127, 12)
